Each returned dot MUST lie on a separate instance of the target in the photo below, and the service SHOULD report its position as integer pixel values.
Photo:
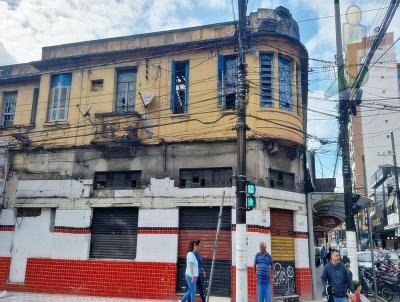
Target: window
(285, 84)
(114, 233)
(180, 87)
(266, 81)
(59, 97)
(97, 85)
(281, 180)
(126, 180)
(227, 81)
(212, 177)
(9, 105)
(298, 89)
(126, 90)
(34, 105)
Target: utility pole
(396, 175)
(241, 232)
(344, 107)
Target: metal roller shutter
(200, 223)
(114, 233)
(282, 246)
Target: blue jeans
(339, 299)
(191, 290)
(264, 291)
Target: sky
(28, 25)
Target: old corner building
(116, 152)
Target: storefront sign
(328, 221)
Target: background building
(122, 149)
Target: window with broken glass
(126, 180)
(227, 81)
(59, 97)
(180, 87)
(266, 81)
(210, 177)
(126, 90)
(285, 84)
(9, 104)
(281, 180)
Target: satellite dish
(148, 98)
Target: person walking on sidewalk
(191, 273)
(262, 267)
(323, 254)
(338, 279)
(202, 273)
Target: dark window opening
(9, 105)
(126, 90)
(281, 180)
(117, 180)
(97, 85)
(29, 212)
(285, 84)
(179, 89)
(209, 177)
(227, 81)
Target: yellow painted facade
(90, 110)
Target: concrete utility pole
(396, 174)
(241, 232)
(344, 107)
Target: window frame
(173, 97)
(3, 108)
(283, 186)
(51, 99)
(199, 181)
(222, 59)
(299, 92)
(120, 71)
(282, 94)
(35, 102)
(272, 104)
(109, 176)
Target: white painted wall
(300, 223)
(157, 248)
(158, 218)
(70, 246)
(69, 188)
(301, 253)
(7, 217)
(32, 238)
(73, 218)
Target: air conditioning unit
(272, 147)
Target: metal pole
(344, 105)
(396, 175)
(371, 242)
(215, 247)
(241, 232)
(311, 246)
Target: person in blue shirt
(191, 273)
(336, 275)
(262, 269)
(202, 273)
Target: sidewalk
(36, 297)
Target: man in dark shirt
(338, 278)
(262, 267)
(202, 273)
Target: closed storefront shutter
(282, 246)
(200, 223)
(114, 233)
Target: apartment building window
(281, 180)
(227, 81)
(209, 177)
(126, 90)
(180, 87)
(285, 84)
(9, 106)
(35, 101)
(59, 97)
(117, 180)
(114, 233)
(298, 89)
(266, 81)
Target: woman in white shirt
(192, 272)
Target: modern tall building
(377, 116)
(118, 152)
